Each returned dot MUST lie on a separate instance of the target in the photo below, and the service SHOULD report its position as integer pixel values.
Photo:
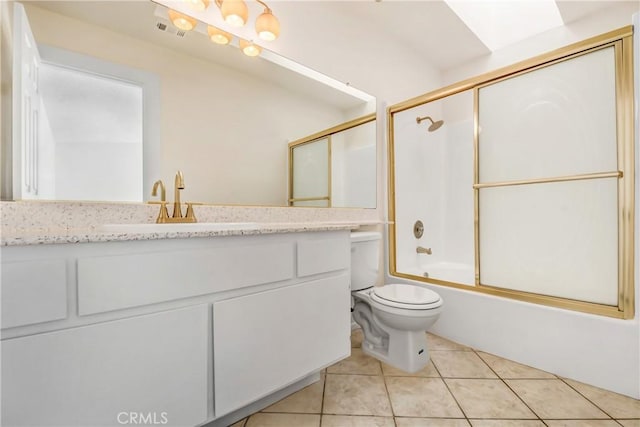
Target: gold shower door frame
(621, 40)
(327, 133)
(292, 199)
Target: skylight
(501, 23)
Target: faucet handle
(190, 216)
(163, 215)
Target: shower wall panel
(434, 183)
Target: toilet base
(406, 350)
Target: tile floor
(460, 387)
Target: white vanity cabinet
(98, 375)
(178, 332)
(266, 341)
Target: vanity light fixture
(219, 36)
(267, 25)
(234, 12)
(182, 21)
(198, 4)
(249, 48)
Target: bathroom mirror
(224, 119)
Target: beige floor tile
(460, 364)
(356, 338)
(553, 399)
(614, 404)
(431, 422)
(435, 342)
(306, 401)
(239, 423)
(421, 397)
(283, 420)
(357, 363)
(486, 398)
(508, 369)
(581, 423)
(507, 423)
(428, 371)
(630, 423)
(355, 395)
(355, 421)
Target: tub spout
(422, 250)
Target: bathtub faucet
(422, 250)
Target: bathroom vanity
(174, 331)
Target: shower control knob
(418, 229)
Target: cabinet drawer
(323, 255)
(108, 283)
(33, 292)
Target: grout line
(386, 389)
(589, 400)
(509, 387)
(449, 390)
(466, 417)
(324, 387)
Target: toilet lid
(410, 296)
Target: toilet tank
(365, 259)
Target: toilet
(393, 317)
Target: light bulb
(199, 5)
(234, 12)
(249, 49)
(183, 22)
(218, 36)
(267, 26)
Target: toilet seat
(409, 297)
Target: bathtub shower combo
(519, 183)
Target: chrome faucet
(422, 250)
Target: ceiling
(427, 27)
(315, 31)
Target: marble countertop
(52, 235)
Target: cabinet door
(150, 367)
(266, 341)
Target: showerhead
(434, 125)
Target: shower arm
(420, 119)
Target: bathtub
(446, 271)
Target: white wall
(419, 174)
(353, 167)
(373, 62)
(229, 149)
(601, 351)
